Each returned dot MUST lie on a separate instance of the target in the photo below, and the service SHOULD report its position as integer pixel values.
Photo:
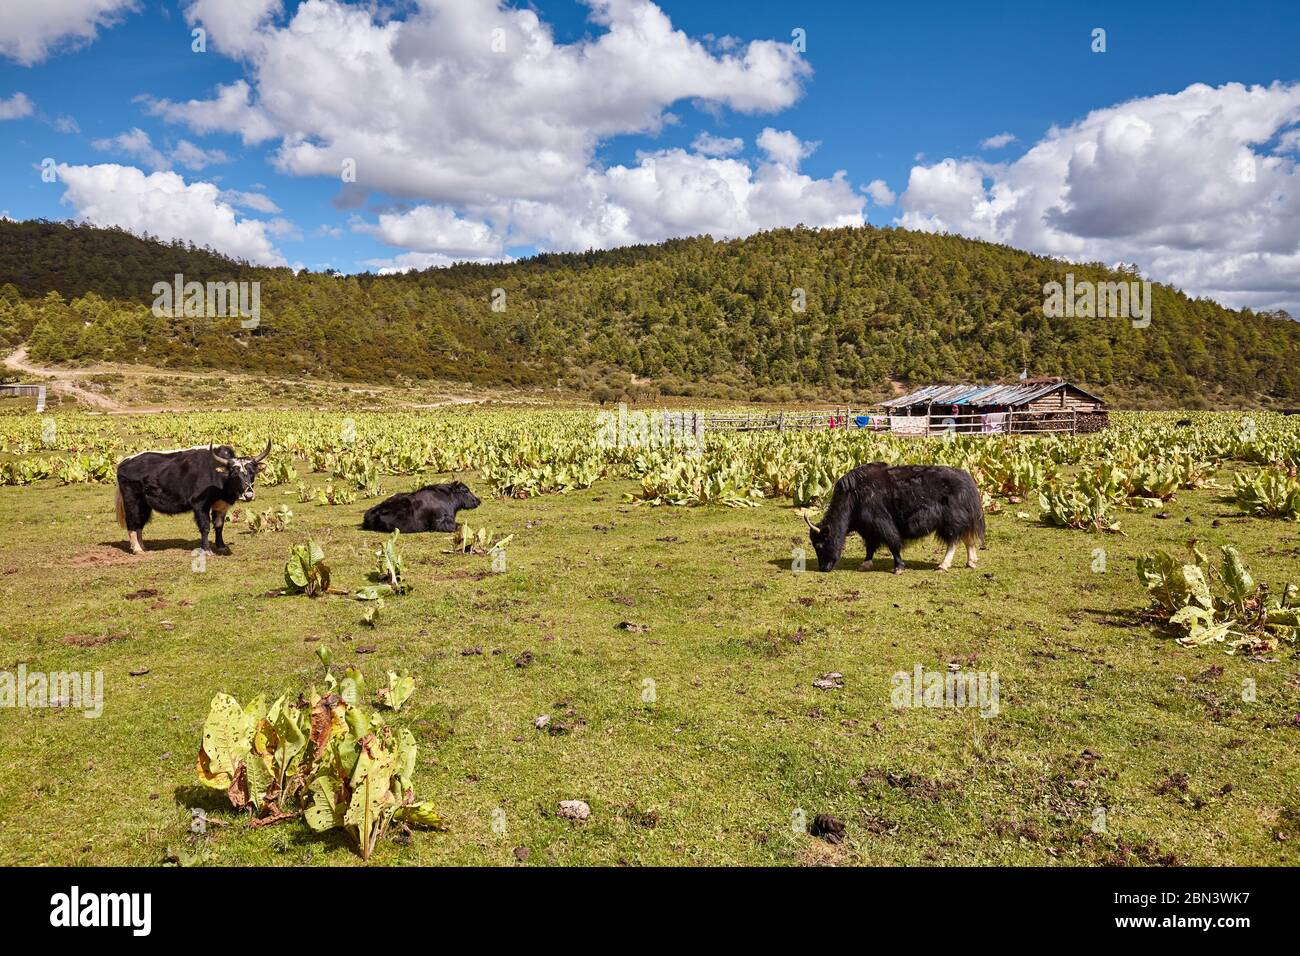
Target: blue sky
(899, 94)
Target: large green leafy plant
(306, 571)
(321, 758)
(1083, 505)
(466, 540)
(389, 564)
(1271, 493)
(1245, 615)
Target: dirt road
(62, 381)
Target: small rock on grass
(541, 722)
(522, 854)
(831, 680)
(573, 810)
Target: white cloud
(474, 110)
(998, 141)
(196, 157)
(67, 124)
(231, 110)
(417, 261)
(675, 193)
(880, 193)
(284, 229)
(436, 229)
(428, 110)
(706, 144)
(784, 147)
(16, 107)
(136, 143)
(250, 200)
(1179, 183)
(162, 204)
(233, 25)
(31, 30)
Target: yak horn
(219, 458)
(266, 451)
(809, 522)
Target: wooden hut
(1032, 405)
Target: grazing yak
(205, 481)
(892, 506)
(432, 508)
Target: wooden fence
(1017, 422)
(37, 390)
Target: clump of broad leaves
(278, 471)
(467, 540)
(1271, 493)
(389, 566)
(331, 494)
(388, 579)
(320, 758)
(1250, 618)
(306, 571)
(278, 519)
(1087, 505)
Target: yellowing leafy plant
(1244, 615)
(268, 520)
(1078, 506)
(321, 758)
(1270, 493)
(466, 540)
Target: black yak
(432, 508)
(205, 481)
(892, 506)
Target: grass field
(1096, 710)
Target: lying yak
(432, 508)
(204, 481)
(892, 506)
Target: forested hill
(687, 317)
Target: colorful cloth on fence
(995, 423)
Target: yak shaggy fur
(890, 506)
(432, 508)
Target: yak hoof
(942, 567)
(898, 569)
(865, 565)
(223, 550)
(137, 549)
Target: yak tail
(976, 530)
(121, 509)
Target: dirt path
(63, 381)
